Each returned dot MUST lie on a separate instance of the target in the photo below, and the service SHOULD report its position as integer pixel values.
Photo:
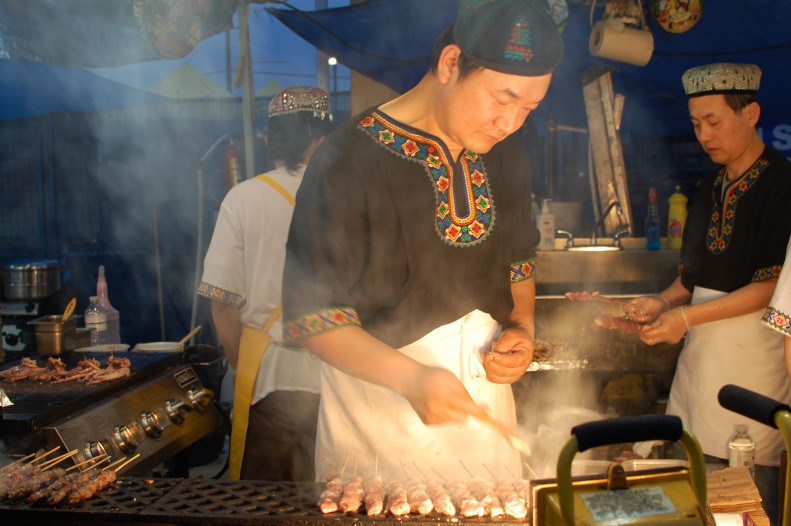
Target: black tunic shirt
(392, 234)
(738, 236)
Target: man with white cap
(276, 393)
(733, 250)
(412, 248)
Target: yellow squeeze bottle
(676, 218)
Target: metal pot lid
(32, 264)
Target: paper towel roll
(613, 40)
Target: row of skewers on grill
(40, 481)
(88, 371)
(477, 497)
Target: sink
(594, 248)
(605, 267)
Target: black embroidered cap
(721, 78)
(517, 37)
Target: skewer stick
(533, 474)
(115, 462)
(491, 473)
(57, 460)
(465, 469)
(26, 457)
(343, 468)
(122, 466)
(98, 460)
(439, 474)
(422, 475)
(42, 456)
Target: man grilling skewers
(412, 251)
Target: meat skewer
(418, 498)
(352, 498)
(513, 505)
(330, 498)
(374, 495)
(621, 324)
(396, 499)
(443, 503)
(466, 503)
(483, 490)
(45, 491)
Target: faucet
(613, 204)
(568, 235)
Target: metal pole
(248, 95)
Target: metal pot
(54, 336)
(31, 280)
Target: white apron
(739, 351)
(380, 432)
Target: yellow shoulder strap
(277, 186)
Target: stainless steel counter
(632, 270)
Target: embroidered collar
(413, 145)
(723, 212)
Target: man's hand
(438, 396)
(510, 356)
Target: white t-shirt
(244, 268)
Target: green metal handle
(697, 473)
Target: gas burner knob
(152, 423)
(128, 437)
(94, 449)
(11, 339)
(199, 398)
(177, 411)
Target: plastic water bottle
(652, 223)
(113, 318)
(96, 320)
(741, 449)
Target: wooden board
(604, 111)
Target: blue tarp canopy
(44, 44)
(391, 41)
(60, 90)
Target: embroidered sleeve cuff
(522, 270)
(767, 273)
(774, 319)
(320, 322)
(217, 294)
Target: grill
(212, 502)
(159, 410)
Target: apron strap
(252, 348)
(277, 186)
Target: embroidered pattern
(522, 270)
(518, 46)
(454, 230)
(777, 320)
(217, 294)
(320, 322)
(723, 216)
(767, 273)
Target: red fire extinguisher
(233, 166)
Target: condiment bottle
(113, 318)
(676, 218)
(652, 223)
(96, 320)
(546, 227)
(741, 449)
